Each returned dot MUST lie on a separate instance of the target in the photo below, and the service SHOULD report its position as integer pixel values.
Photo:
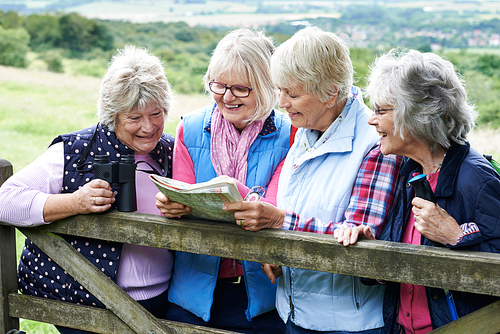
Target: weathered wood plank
(117, 300)
(8, 266)
(86, 318)
(476, 272)
(484, 321)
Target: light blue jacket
(317, 182)
(195, 276)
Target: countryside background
(53, 54)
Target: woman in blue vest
(240, 136)
(134, 100)
(334, 173)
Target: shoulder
(476, 168)
(198, 115)
(167, 140)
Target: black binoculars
(121, 175)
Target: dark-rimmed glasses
(379, 112)
(220, 89)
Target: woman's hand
(435, 223)
(170, 209)
(95, 196)
(272, 271)
(349, 236)
(255, 216)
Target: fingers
(170, 209)
(349, 236)
(272, 271)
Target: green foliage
(53, 61)
(11, 20)
(14, 47)
(79, 34)
(44, 31)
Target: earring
(331, 105)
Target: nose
(146, 124)
(373, 119)
(283, 102)
(228, 96)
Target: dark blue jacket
(468, 188)
(38, 274)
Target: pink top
(413, 312)
(144, 272)
(183, 170)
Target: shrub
(14, 47)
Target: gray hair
(135, 79)
(316, 61)
(428, 95)
(245, 55)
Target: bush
(14, 47)
(53, 61)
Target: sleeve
(374, 190)
(24, 194)
(483, 233)
(371, 198)
(182, 167)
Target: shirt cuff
(470, 236)
(291, 218)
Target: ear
(331, 102)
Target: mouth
(146, 137)
(233, 106)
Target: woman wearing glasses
(423, 113)
(240, 136)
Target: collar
(449, 169)
(268, 128)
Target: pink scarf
(229, 148)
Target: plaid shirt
(371, 198)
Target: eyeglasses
(379, 112)
(237, 91)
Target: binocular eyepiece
(121, 175)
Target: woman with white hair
(334, 173)
(422, 112)
(240, 136)
(134, 100)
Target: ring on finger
(94, 200)
(240, 222)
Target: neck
(431, 163)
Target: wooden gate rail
(476, 272)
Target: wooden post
(8, 265)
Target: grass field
(36, 106)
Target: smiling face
(390, 142)
(306, 110)
(140, 130)
(237, 110)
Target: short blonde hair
(135, 79)
(245, 55)
(316, 61)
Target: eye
(157, 114)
